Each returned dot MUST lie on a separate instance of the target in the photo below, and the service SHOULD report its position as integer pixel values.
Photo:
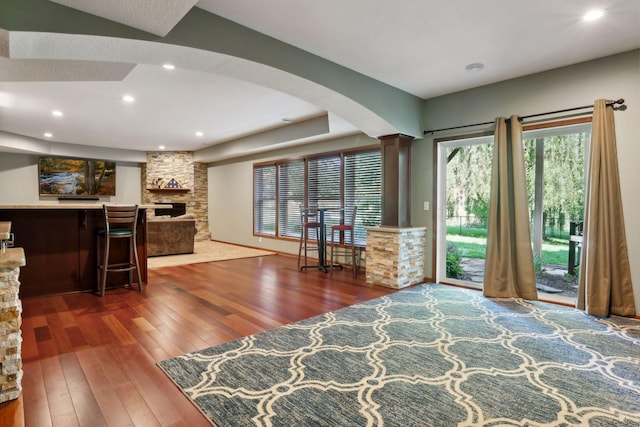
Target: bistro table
(322, 238)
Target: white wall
(231, 194)
(19, 176)
(611, 78)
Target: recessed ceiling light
(475, 67)
(168, 66)
(593, 15)
(57, 113)
(48, 135)
(161, 147)
(199, 134)
(128, 98)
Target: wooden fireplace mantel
(169, 190)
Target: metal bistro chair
(120, 223)
(348, 248)
(309, 220)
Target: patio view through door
(555, 162)
(464, 173)
(556, 159)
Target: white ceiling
(419, 46)
(170, 107)
(423, 46)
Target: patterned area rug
(430, 355)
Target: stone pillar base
(10, 322)
(395, 256)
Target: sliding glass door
(555, 162)
(464, 172)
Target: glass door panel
(555, 159)
(464, 173)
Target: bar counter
(59, 242)
(48, 206)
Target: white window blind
(290, 197)
(264, 200)
(324, 189)
(363, 188)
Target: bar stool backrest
(354, 214)
(309, 216)
(120, 217)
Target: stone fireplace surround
(162, 167)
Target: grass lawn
(472, 244)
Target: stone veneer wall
(10, 322)
(395, 256)
(161, 167)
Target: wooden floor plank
(34, 396)
(87, 409)
(108, 359)
(137, 409)
(156, 388)
(123, 336)
(59, 332)
(63, 412)
(12, 413)
(143, 324)
(99, 379)
(92, 361)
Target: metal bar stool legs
(308, 221)
(350, 247)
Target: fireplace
(177, 209)
(191, 198)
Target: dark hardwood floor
(90, 361)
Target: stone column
(395, 256)
(10, 321)
(395, 251)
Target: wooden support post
(396, 177)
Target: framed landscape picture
(60, 176)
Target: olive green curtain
(509, 270)
(605, 277)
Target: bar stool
(309, 220)
(345, 249)
(120, 223)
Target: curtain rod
(617, 101)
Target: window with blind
(324, 189)
(290, 197)
(363, 188)
(264, 200)
(338, 180)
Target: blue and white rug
(430, 355)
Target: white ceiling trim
(153, 16)
(12, 143)
(265, 141)
(45, 70)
